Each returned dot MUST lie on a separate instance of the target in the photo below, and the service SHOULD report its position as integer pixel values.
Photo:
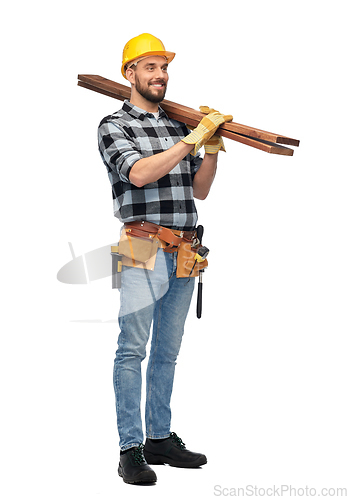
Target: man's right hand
(205, 130)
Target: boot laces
(138, 455)
(177, 440)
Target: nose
(160, 73)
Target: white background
(261, 383)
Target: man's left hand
(215, 143)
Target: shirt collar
(139, 113)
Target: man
(155, 172)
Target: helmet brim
(169, 56)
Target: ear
(130, 75)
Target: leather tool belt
(140, 241)
(172, 238)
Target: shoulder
(115, 117)
(118, 122)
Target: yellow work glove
(215, 143)
(205, 130)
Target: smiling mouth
(157, 85)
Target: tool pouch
(139, 244)
(186, 261)
(138, 251)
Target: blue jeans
(160, 299)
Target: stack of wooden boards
(259, 139)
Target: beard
(149, 93)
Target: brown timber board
(268, 147)
(259, 139)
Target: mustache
(158, 81)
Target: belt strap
(173, 238)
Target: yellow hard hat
(142, 46)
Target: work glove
(215, 143)
(205, 130)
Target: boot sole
(162, 460)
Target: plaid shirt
(131, 134)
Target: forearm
(155, 167)
(205, 176)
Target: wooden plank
(124, 93)
(259, 139)
(268, 147)
(237, 128)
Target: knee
(130, 350)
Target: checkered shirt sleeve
(131, 134)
